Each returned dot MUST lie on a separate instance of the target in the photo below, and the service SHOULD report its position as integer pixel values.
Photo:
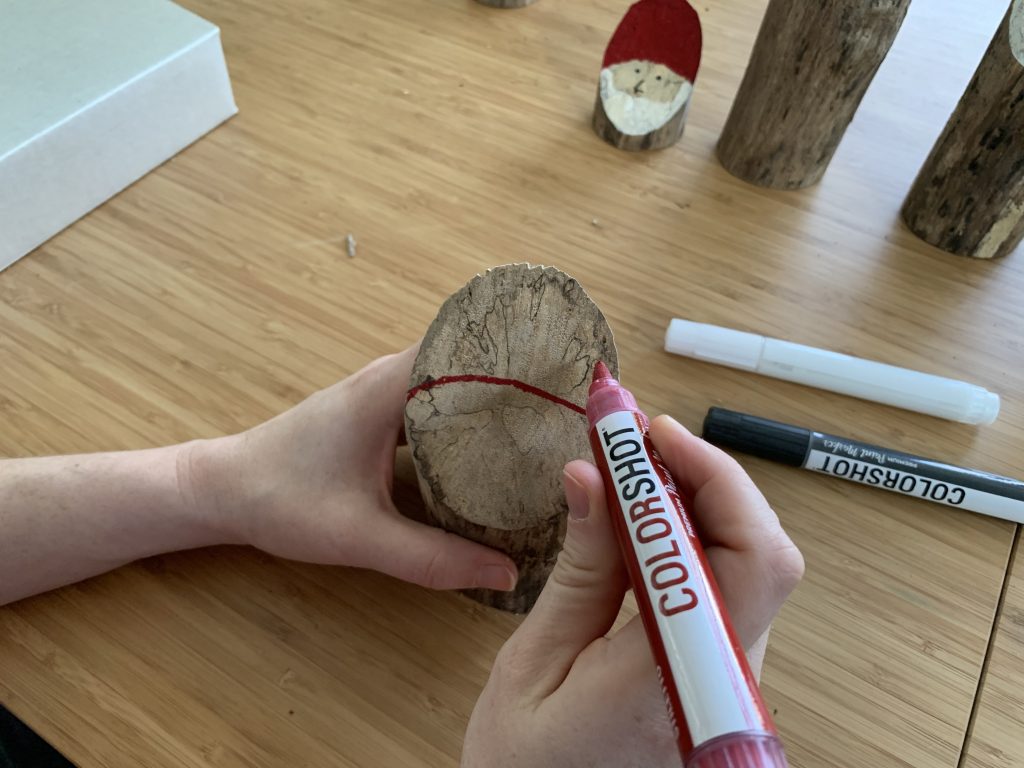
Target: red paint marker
(713, 699)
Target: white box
(93, 95)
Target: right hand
(563, 694)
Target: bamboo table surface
(449, 137)
(997, 735)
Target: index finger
(728, 508)
(382, 388)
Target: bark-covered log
(495, 412)
(968, 198)
(811, 65)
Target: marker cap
(714, 344)
(760, 437)
(983, 408)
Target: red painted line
(522, 386)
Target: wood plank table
(448, 137)
(996, 738)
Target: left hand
(314, 484)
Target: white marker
(854, 376)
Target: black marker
(869, 464)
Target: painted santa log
(968, 198)
(647, 75)
(810, 67)
(496, 409)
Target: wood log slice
(647, 76)
(810, 67)
(495, 411)
(968, 198)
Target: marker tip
(601, 371)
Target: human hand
(314, 484)
(561, 692)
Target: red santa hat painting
(647, 76)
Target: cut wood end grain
(494, 413)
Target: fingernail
(496, 577)
(576, 497)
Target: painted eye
(637, 71)
(658, 77)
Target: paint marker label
(914, 476)
(679, 604)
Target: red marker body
(713, 699)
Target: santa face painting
(647, 74)
(640, 96)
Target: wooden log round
(506, 3)
(495, 411)
(968, 198)
(810, 67)
(647, 76)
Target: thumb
(433, 558)
(584, 593)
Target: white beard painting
(637, 115)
